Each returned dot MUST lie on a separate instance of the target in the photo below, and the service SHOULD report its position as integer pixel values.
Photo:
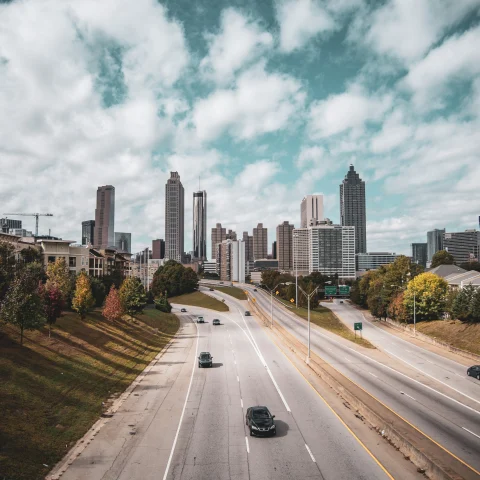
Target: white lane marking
(246, 441)
(183, 411)
(235, 362)
(416, 381)
(311, 454)
(241, 402)
(347, 359)
(478, 436)
(431, 376)
(238, 379)
(407, 395)
(372, 374)
(253, 343)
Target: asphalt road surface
(450, 417)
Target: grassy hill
(199, 299)
(52, 389)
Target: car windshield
(261, 413)
(205, 356)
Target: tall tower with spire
(352, 208)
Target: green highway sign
(344, 290)
(330, 290)
(357, 326)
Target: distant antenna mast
(199, 183)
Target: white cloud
(393, 134)
(458, 58)
(259, 103)
(239, 41)
(301, 20)
(255, 176)
(349, 110)
(309, 156)
(406, 29)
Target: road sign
(357, 325)
(292, 300)
(277, 292)
(344, 290)
(330, 290)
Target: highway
(449, 417)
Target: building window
(51, 259)
(73, 261)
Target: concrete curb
(424, 453)
(61, 467)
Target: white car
(200, 320)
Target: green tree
(163, 304)
(475, 305)
(7, 267)
(473, 265)
(22, 305)
(449, 302)
(58, 275)
(98, 291)
(115, 278)
(83, 300)
(113, 309)
(132, 296)
(442, 257)
(430, 292)
(30, 255)
(463, 302)
(175, 279)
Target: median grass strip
(233, 292)
(199, 299)
(324, 318)
(53, 389)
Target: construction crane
(36, 215)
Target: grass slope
(199, 299)
(235, 292)
(51, 390)
(324, 318)
(465, 336)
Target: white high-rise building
(230, 258)
(300, 250)
(311, 210)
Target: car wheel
(468, 373)
(478, 376)
(251, 432)
(274, 432)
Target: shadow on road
(216, 365)
(282, 428)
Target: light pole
(414, 305)
(295, 264)
(309, 296)
(271, 299)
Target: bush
(163, 305)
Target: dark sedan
(205, 360)
(260, 421)
(474, 371)
(216, 321)
(183, 310)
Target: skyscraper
(419, 253)
(200, 225)
(158, 249)
(218, 236)
(88, 232)
(285, 246)
(464, 246)
(434, 242)
(260, 239)
(123, 242)
(231, 235)
(311, 210)
(274, 249)
(352, 208)
(105, 217)
(248, 239)
(231, 260)
(174, 218)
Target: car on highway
(254, 289)
(216, 321)
(259, 420)
(474, 371)
(200, 320)
(247, 313)
(205, 360)
(211, 289)
(341, 301)
(183, 310)
(221, 282)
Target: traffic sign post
(330, 290)
(358, 326)
(344, 290)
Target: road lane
(441, 416)
(214, 442)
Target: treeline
(32, 296)
(392, 290)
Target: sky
(262, 102)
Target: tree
(396, 309)
(30, 255)
(163, 304)
(98, 291)
(132, 296)
(475, 306)
(442, 257)
(58, 275)
(175, 279)
(113, 309)
(473, 265)
(83, 300)
(115, 278)
(430, 292)
(7, 267)
(53, 304)
(461, 308)
(22, 305)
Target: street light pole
(309, 296)
(271, 299)
(295, 236)
(414, 313)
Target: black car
(260, 421)
(474, 371)
(254, 289)
(183, 310)
(247, 313)
(216, 321)
(205, 359)
(211, 289)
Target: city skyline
(324, 95)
